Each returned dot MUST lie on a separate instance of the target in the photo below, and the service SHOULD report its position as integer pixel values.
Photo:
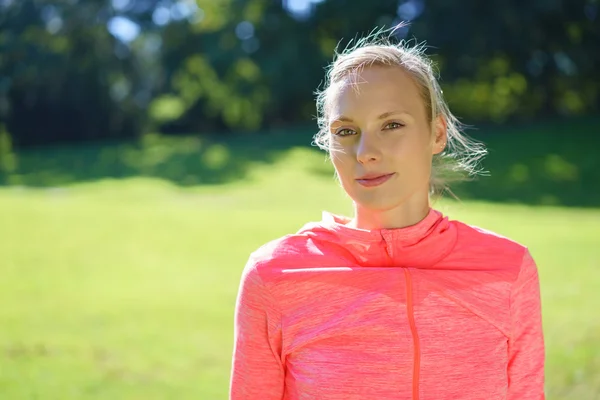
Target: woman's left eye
(394, 125)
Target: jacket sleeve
(257, 370)
(526, 343)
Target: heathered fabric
(439, 310)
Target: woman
(397, 302)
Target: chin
(378, 204)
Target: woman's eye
(394, 125)
(344, 132)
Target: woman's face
(381, 140)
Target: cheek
(335, 147)
(407, 148)
(343, 164)
(412, 155)
(339, 160)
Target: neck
(401, 216)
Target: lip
(372, 180)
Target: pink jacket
(439, 310)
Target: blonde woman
(396, 301)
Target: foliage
(75, 70)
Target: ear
(440, 135)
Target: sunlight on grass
(124, 289)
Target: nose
(367, 150)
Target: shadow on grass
(552, 164)
(183, 160)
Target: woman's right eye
(344, 132)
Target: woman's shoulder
(295, 250)
(482, 233)
(280, 248)
(478, 239)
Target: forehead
(374, 88)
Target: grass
(124, 288)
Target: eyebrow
(343, 118)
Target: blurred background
(148, 146)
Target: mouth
(373, 180)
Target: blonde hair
(460, 159)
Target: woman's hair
(461, 156)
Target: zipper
(410, 311)
(413, 328)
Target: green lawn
(124, 288)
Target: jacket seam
(277, 308)
(512, 290)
